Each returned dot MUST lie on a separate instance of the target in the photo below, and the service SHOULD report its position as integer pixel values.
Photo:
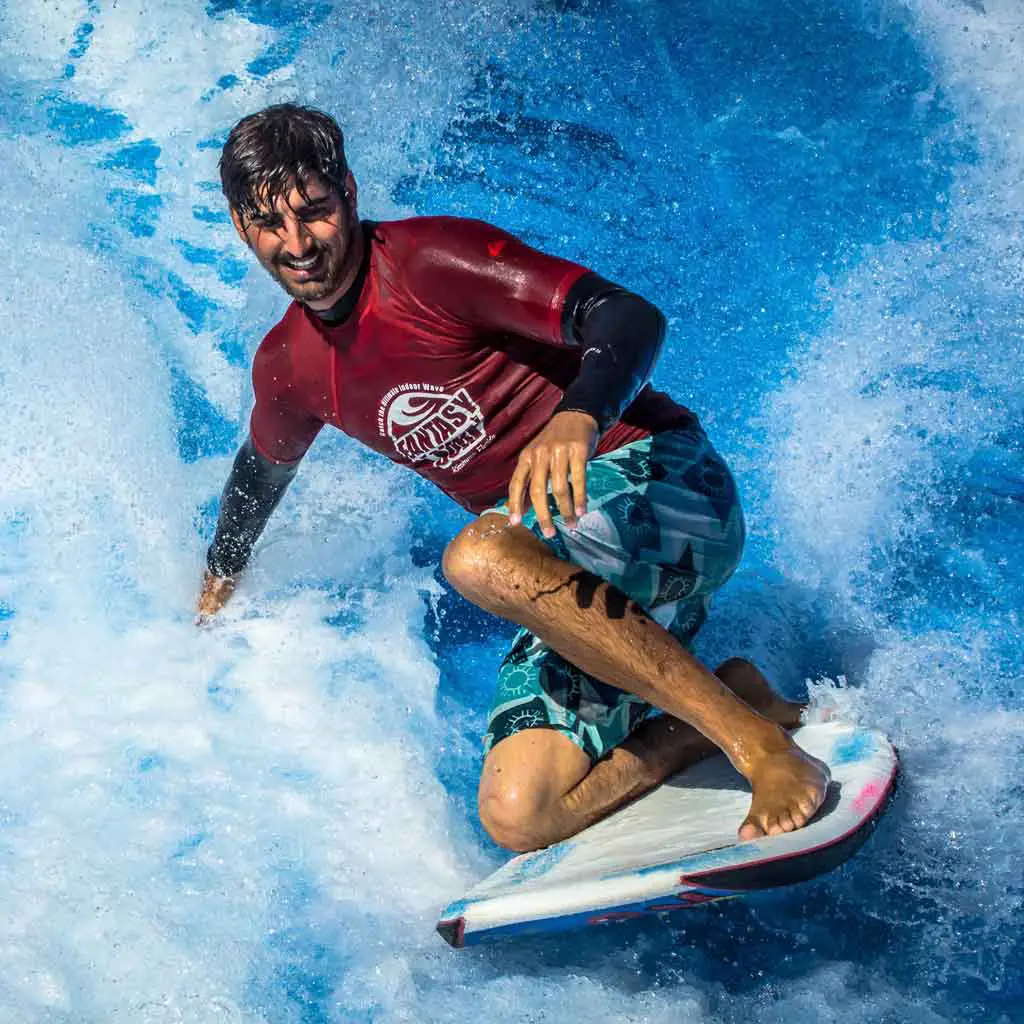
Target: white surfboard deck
(676, 847)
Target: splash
(249, 824)
(896, 492)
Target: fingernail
(548, 532)
(515, 519)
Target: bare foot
(664, 745)
(789, 786)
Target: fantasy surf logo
(427, 424)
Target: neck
(336, 309)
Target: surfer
(516, 382)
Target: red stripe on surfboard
(693, 879)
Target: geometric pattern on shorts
(664, 525)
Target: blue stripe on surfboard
(620, 912)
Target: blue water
(259, 822)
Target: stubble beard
(316, 289)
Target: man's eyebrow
(264, 213)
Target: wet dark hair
(269, 153)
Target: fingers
(539, 498)
(216, 592)
(562, 469)
(568, 476)
(557, 456)
(578, 471)
(517, 490)
(560, 487)
(531, 470)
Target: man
(497, 371)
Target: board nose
(452, 931)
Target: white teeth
(302, 264)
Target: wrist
(578, 412)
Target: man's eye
(314, 213)
(267, 223)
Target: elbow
(657, 328)
(647, 329)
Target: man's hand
(214, 595)
(557, 455)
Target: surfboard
(676, 847)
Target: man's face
(309, 244)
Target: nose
(295, 236)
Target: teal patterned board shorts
(664, 525)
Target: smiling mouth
(303, 266)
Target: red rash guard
(451, 362)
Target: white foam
(188, 816)
(915, 375)
(35, 38)
(166, 790)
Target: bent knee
(459, 563)
(478, 559)
(510, 815)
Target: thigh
(664, 525)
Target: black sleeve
(255, 486)
(621, 336)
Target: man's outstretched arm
(252, 492)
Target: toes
(760, 824)
(750, 829)
(805, 811)
(779, 808)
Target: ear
(351, 190)
(236, 219)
